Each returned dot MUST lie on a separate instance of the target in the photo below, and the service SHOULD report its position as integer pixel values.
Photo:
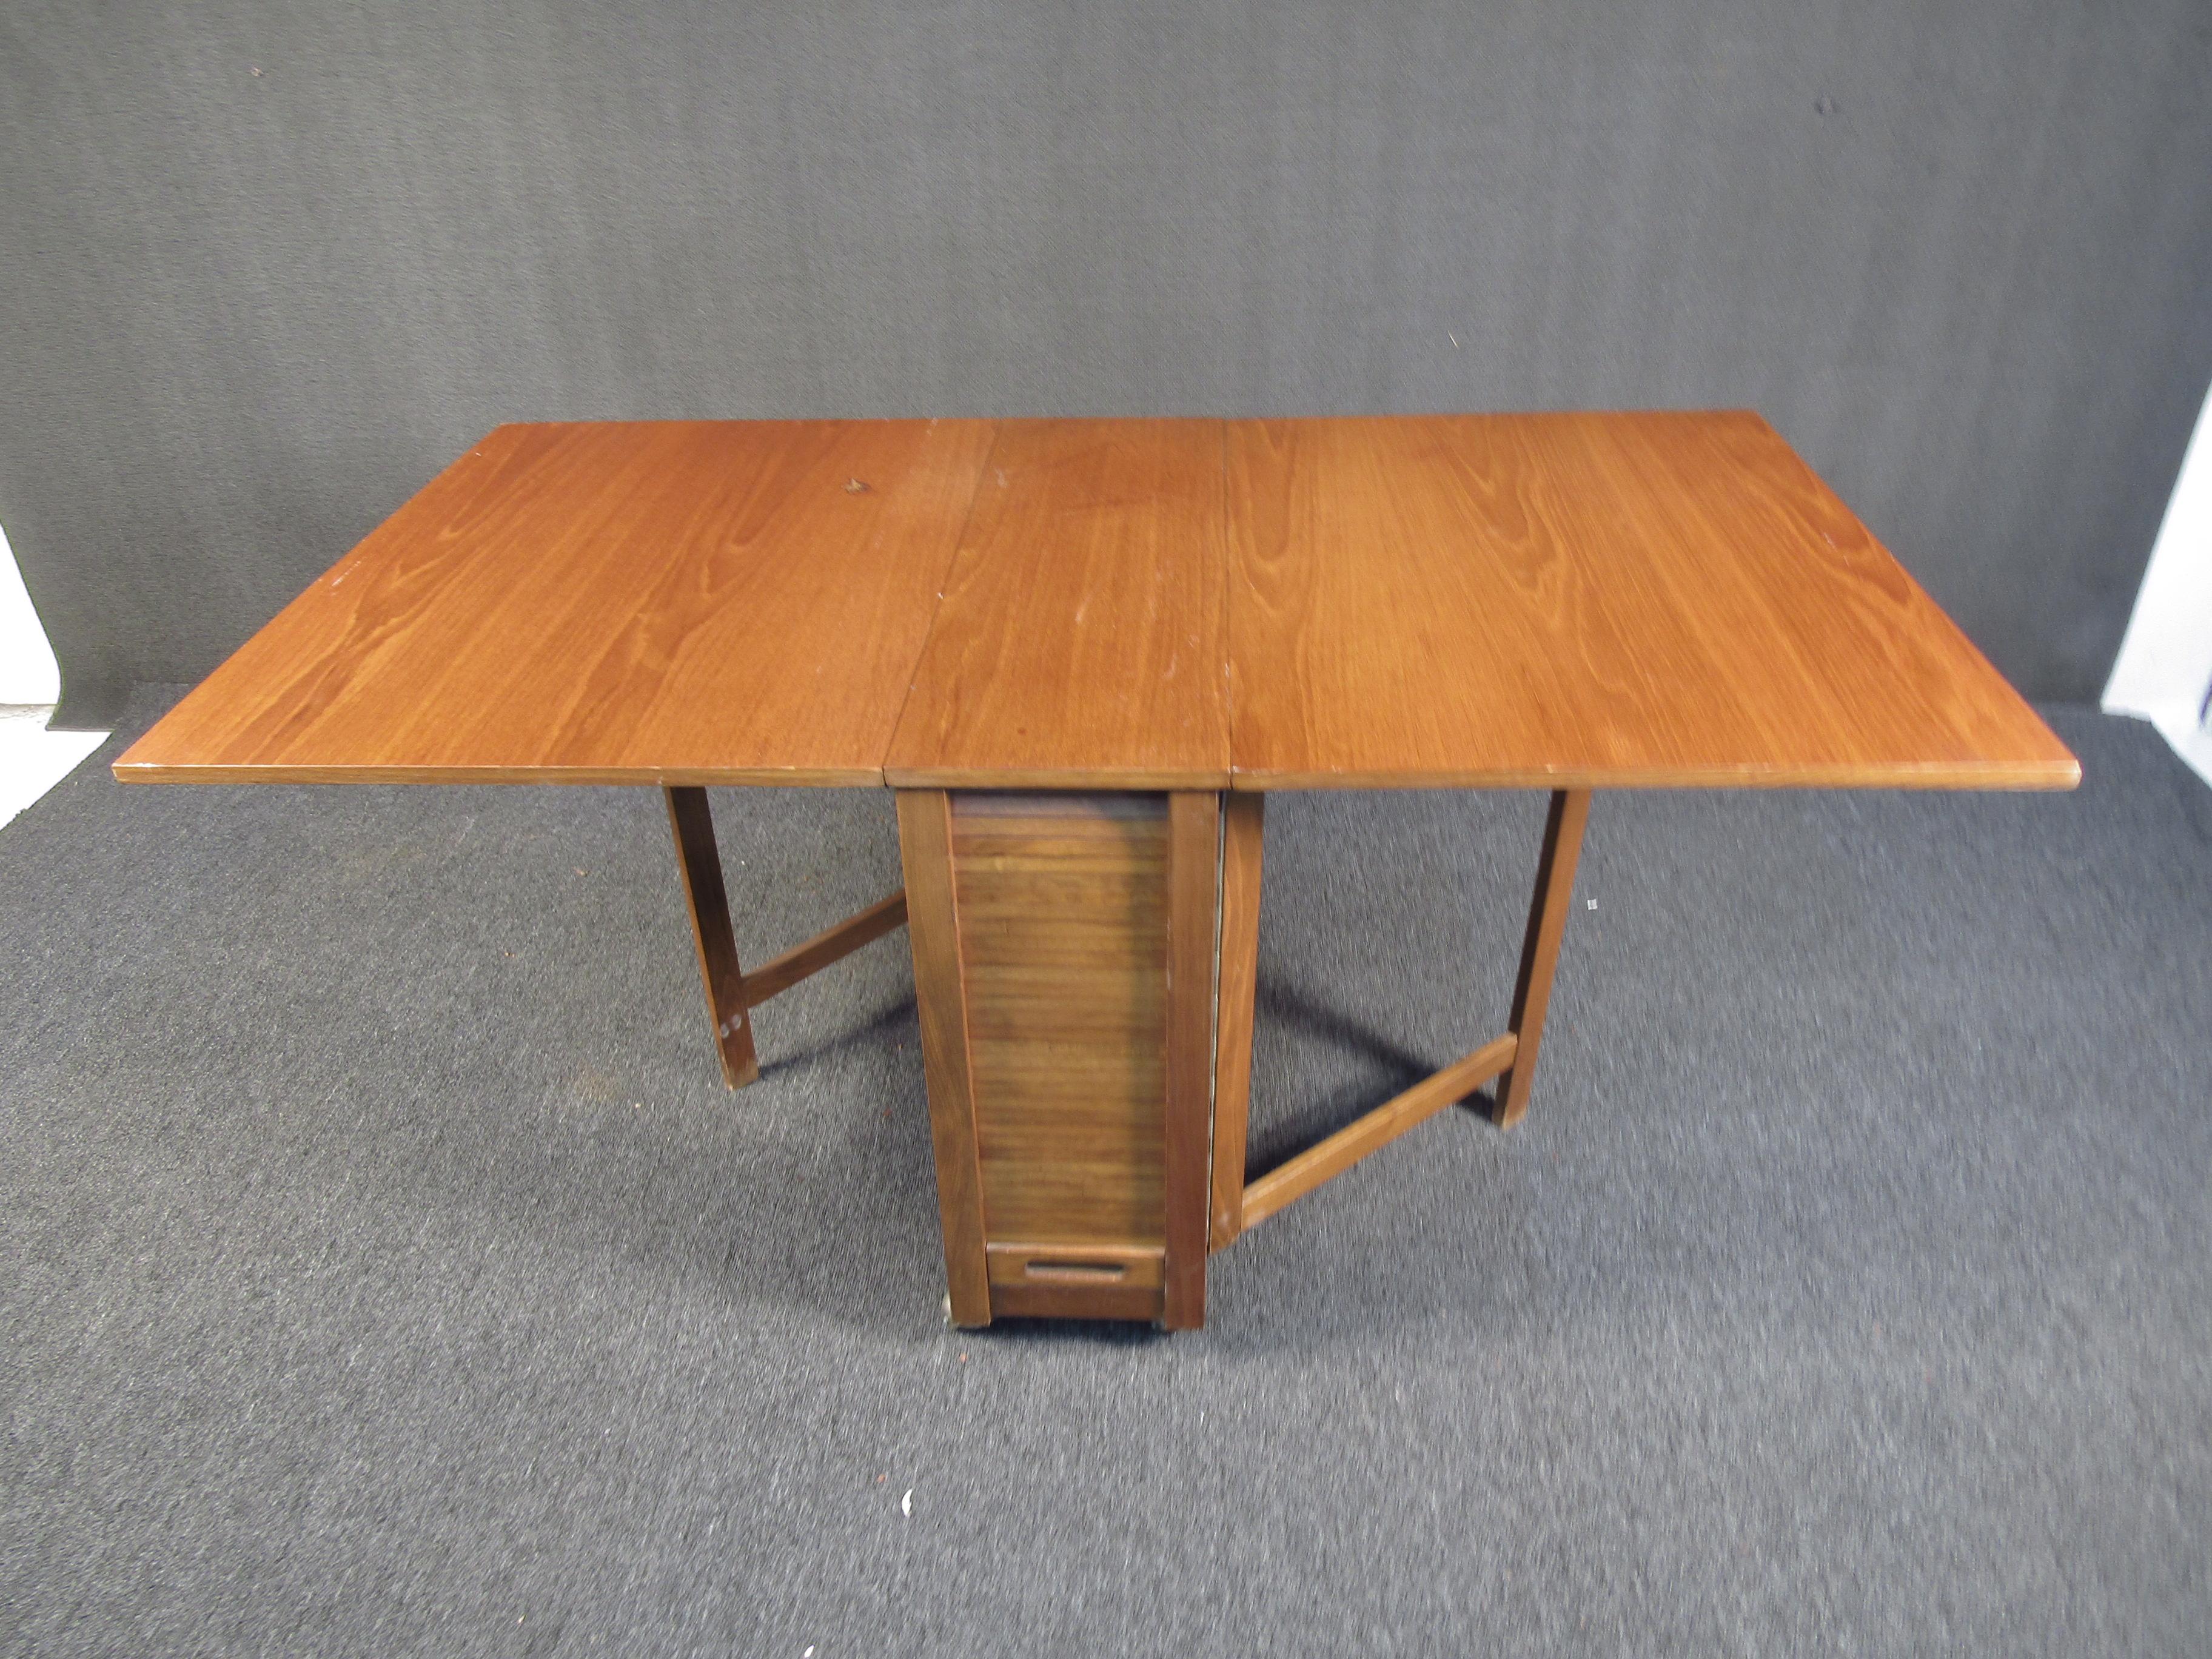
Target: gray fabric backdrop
(265, 268)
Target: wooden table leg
(1243, 818)
(701, 868)
(1511, 1057)
(1193, 978)
(1540, 949)
(924, 819)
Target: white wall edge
(2164, 669)
(32, 760)
(28, 673)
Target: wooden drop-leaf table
(1081, 652)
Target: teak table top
(1557, 600)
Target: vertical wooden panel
(701, 866)
(1062, 901)
(1243, 820)
(926, 850)
(1540, 949)
(1193, 911)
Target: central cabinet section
(1065, 964)
(1062, 904)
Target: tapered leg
(1193, 912)
(1242, 817)
(1539, 950)
(924, 819)
(701, 868)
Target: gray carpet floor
(386, 1270)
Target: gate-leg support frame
(733, 994)
(1195, 871)
(1239, 1206)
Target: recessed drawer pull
(1045, 1269)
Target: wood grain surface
(699, 865)
(1589, 599)
(1081, 641)
(834, 943)
(1194, 964)
(660, 602)
(1242, 833)
(1533, 600)
(1050, 1281)
(1027, 1263)
(1297, 1176)
(1564, 822)
(1062, 909)
(925, 821)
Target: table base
(1084, 971)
